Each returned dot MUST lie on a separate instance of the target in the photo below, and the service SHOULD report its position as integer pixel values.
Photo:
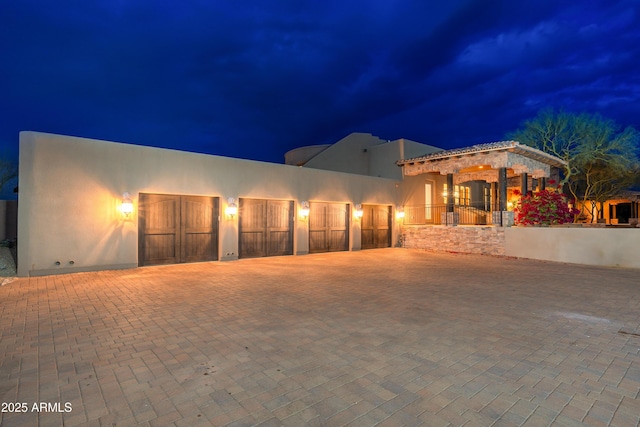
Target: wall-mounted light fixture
(399, 212)
(232, 208)
(304, 210)
(126, 207)
(358, 212)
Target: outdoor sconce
(304, 210)
(232, 208)
(126, 207)
(358, 211)
(399, 212)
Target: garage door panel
(198, 247)
(199, 228)
(338, 218)
(266, 227)
(280, 243)
(367, 239)
(160, 249)
(317, 216)
(376, 226)
(279, 214)
(252, 245)
(159, 219)
(175, 228)
(382, 239)
(252, 215)
(198, 214)
(317, 239)
(338, 240)
(252, 228)
(162, 213)
(328, 227)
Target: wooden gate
(376, 226)
(266, 228)
(328, 227)
(175, 229)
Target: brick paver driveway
(383, 337)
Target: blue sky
(255, 78)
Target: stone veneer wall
(466, 239)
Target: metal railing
(437, 214)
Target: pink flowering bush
(544, 207)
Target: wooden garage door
(328, 227)
(266, 228)
(376, 226)
(174, 229)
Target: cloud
(510, 49)
(254, 80)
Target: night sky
(255, 78)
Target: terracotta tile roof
(512, 146)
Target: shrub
(544, 207)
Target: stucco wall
(365, 154)
(301, 155)
(346, 155)
(383, 156)
(592, 246)
(71, 189)
(413, 189)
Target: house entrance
(376, 226)
(266, 228)
(175, 229)
(328, 227)
(620, 212)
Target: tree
(8, 171)
(602, 159)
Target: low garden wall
(580, 245)
(487, 240)
(615, 247)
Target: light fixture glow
(358, 212)
(126, 207)
(304, 210)
(399, 212)
(232, 208)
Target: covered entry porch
(473, 185)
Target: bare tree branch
(602, 159)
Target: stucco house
(87, 204)
(619, 211)
(185, 207)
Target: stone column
(613, 219)
(450, 217)
(502, 189)
(450, 192)
(502, 217)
